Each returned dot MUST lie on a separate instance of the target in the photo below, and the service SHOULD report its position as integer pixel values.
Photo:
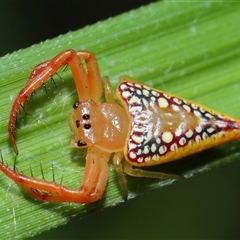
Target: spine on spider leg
(40, 74)
(33, 83)
(21, 98)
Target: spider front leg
(88, 84)
(92, 187)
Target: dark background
(206, 206)
(26, 22)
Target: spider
(149, 127)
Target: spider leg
(108, 92)
(88, 84)
(117, 161)
(137, 172)
(92, 187)
(94, 78)
(94, 155)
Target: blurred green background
(206, 206)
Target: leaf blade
(176, 44)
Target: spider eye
(77, 123)
(81, 143)
(86, 116)
(76, 105)
(87, 126)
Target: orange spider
(151, 127)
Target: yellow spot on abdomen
(167, 137)
(162, 102)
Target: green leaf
(188, 49)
